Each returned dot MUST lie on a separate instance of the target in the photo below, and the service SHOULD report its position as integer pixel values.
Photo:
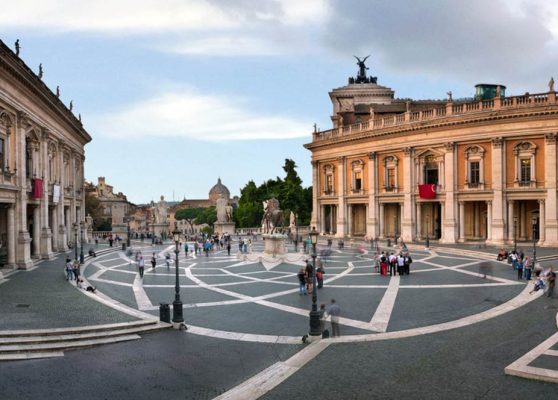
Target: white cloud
(223, 46)
(191, 115)
(154, 16)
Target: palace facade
(41, 167)
(482, 169)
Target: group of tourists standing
(391, 263)
(306, 276)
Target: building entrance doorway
(330, 219)
(431, 220)
(358, 219)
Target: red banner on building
(37, 188)
(427, 191)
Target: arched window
(329, 181)
(524, 153)
(390, 173)
(474, 168)
(357, 167)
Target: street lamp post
(75, 240)
(177, 315)
(535, 238)
(515, 234)
(128, 238)
(81, 257)
(427, 231)
(296, 235)
(315, 327)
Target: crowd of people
(393, 263)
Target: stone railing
(450, 109)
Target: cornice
(435, 125)
(16, 68)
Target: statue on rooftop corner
(551, 85)
(449, 95)
(40, 71)
(17, 47)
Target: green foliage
(289, 191)
(103, 224)
(198, 215)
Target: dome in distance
(216, 191)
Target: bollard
(164, 312)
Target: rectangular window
(358, 180)
(390, 179)
(1, 153)
(525, 175)
(474, 173)
(329, 183)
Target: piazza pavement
(448, 330)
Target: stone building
(477, 170)
(115, 205)
(41, 166)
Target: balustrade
(417, 116)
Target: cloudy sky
(177, 93)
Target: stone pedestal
(274, 245)
(120, 230)
(158, 229)
(224, 227)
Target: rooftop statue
(361, 75)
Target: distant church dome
(216, 191)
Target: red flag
(37, 188)
(427, 191)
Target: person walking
(527, 268)
(228, 247)
(392, 264)
(519, 266)
(153, 261)
(309, 276)
(323, 318)
(141, 266)
(302, 281)
(400, 264)
(334, 311)
(75, 268)
(320, 276)
(551, 280)
(407, 261)
(167, 260)
(69, 270)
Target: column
(62, 237)
(55, 232)
(442, 213)
(23, 245)
(372, 220)
(408, 204)
(36, 231)
(419, 220)
(11, 236)
(381, 222)
(498, 210)
(315, 220)
(448, 215)
(68, 227)
(341, 222)
(46, 234)
(523, 221)
(542, 219)
(488, 220)
(551, 214)
(349, 219)
(511, 224)
(461, 221)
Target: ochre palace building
(479, 169)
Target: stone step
(29, 356)
(77, 329)
(36, 339)
(58, 346)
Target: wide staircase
(42, 343)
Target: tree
(290, 193)
(197, 216)
(94, 208)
